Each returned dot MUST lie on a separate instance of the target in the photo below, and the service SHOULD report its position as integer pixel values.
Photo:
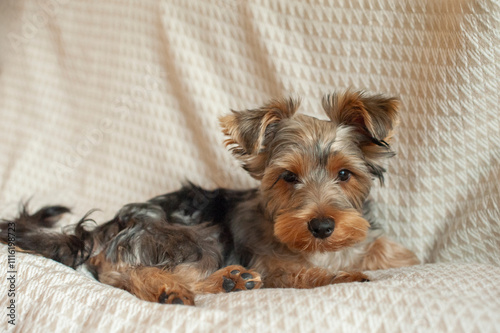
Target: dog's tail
(32, 233)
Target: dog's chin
(350, 229)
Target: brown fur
(286, 273)
(292, 230)
(178, 286)
(384, 253)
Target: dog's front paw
(231, 278)
(176, 295)
(237, 278)
(343, 277)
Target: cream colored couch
(108, 102)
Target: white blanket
(108, 102)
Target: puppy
(308, 224)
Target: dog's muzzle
(321, 228)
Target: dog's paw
(237, 278)
(232, 278)
(176, 295)
(343, 277)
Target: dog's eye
(289, 177)
(344, 175)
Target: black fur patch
(71, 249)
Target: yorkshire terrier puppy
(308, 224)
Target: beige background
(108, 102)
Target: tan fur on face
(291, 229)
(358, 186)
(317, 194)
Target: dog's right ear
(249, 132)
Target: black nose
(321, 228)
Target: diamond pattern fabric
(108, 102)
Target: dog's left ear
(375, 115)
(374, 118)
(249, 132)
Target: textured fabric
(426, 298)
(108, 102)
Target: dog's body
(307, 225)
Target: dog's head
(315, 175)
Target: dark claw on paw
(228, 284)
